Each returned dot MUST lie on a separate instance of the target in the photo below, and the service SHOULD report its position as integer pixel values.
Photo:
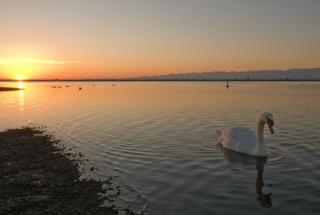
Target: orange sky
(42, 39)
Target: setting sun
(19, 68)
(20, 77)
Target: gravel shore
(37, 177)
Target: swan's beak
(270, 126)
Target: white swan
(245, 140)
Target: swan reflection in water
(264, 199)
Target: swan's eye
(270, 122)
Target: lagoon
(159, 140)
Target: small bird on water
(227, 86)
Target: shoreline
(38, 177)
(10, 89)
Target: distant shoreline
(10, 89)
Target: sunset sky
(44, 39)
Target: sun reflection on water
(21, 96)
(20, 84)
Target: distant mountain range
(291, 74)
(307, 74)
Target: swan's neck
(260, 127)
(261, 149)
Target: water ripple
(159, 139)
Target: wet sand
(37, 176)
(9, 89)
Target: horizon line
(165, 76)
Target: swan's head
(268, 119)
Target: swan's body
(245, 140)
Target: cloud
(15, 61)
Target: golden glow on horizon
(24, 68)
(44, 68)
(20, 78)
(17, 68)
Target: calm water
(159, 139)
